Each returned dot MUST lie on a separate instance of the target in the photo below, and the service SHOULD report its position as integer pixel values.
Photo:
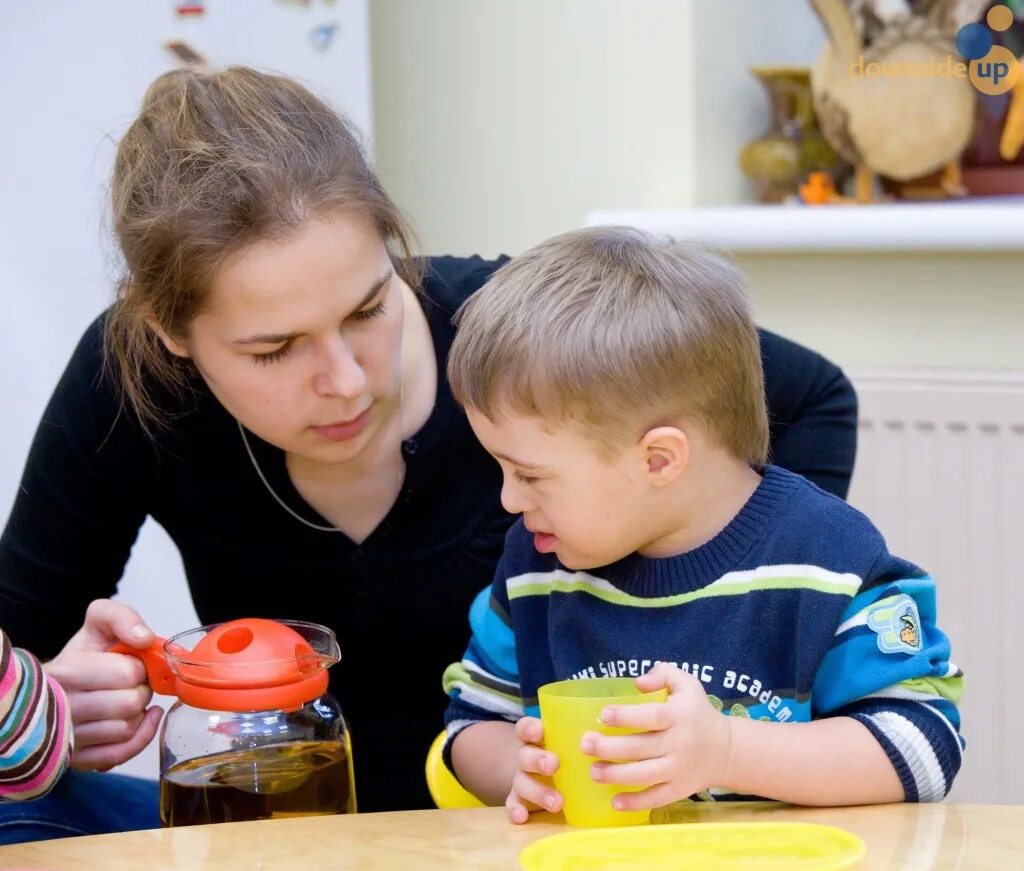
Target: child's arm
(690, 746)
(35, 726)
(884, 698)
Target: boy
(617, 380)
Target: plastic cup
(568, 708)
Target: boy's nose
(513, 498)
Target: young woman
(269, 387)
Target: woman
(274, 397)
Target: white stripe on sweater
(481, 697)
(916, 751)
(846, 582)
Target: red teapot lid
(252, 664)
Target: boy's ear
(666, 454)
(172, 345)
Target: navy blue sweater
(795, 611)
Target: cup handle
(158, 672)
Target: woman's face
(301, 338)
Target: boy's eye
(523, 479)
(273, 356)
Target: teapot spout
(158, 672)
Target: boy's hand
(531, 786)
(685, 750)
(107, 692)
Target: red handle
(157, 671)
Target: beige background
(499, 123)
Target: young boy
(617, 380)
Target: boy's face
(586, 510)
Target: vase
(792, 147)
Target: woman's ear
(172, 345)
(666, 454)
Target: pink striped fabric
(35, 726)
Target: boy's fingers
(643, 773)
(627, 748)
(651, 717)
(529, 730)
(518, 813)
(645, 799)
(532, 791)
(537, 760)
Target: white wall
(72, 77)
(498, 124)
(501, 123)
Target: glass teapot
(254, 734)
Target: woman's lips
(345, 430)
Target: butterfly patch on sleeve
(897, 624)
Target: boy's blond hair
(616, 331)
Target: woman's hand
(107, 692)
(531, 785)
(683, 749)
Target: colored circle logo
(974, 41)
(993, 69)
(995, 73)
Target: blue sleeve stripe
(493, 645)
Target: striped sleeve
(35, 726)
(484, 685)
(889, 667)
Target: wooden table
(943, 836)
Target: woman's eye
(374, 312)
(272, 356)
(523, 479)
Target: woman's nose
(340, 373)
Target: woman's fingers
(91, 670)
(103, 757)
(107, 623)
(88, 707)
(105, 732)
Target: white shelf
(964, 226)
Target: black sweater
(398, 602)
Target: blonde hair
(616, 331)
(215, 162)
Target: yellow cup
(568, 708)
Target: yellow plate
(717, 846)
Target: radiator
(940, 471)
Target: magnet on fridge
(323, 36)
(189, 9)
(302, 3)
(184, 53)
